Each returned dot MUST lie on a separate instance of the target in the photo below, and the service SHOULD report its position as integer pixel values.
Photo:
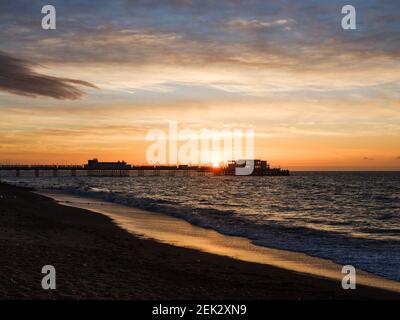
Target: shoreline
(96, 259)
(178, 232)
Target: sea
(352, 218)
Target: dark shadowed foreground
(95, 259)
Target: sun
(215, 164)
(215, 159)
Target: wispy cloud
(18, 77)
(241, 23)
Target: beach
(96, 259)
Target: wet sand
(175, 231)
(97, 259)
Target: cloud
(232, 46)
(18, 77)
(255, 24)
(368, 159)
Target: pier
(140, 171)
(94, 168)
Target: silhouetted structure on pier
(256, 167)
(113, 169)
(96, 165)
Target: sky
(317, 96)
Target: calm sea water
(351, 218)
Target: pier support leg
(36, 173)
(17, 173)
